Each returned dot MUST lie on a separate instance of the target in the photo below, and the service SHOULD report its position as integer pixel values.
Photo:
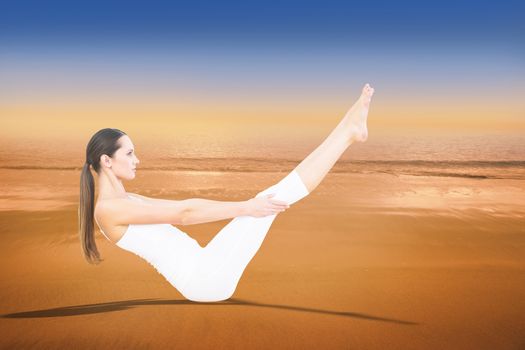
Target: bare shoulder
(103, 216)
(124, 211)
(104, 209)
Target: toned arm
(124, 211)
(201, 210)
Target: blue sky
(453, 59)
(275, 23)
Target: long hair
(104, 141)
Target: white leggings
(219, 266)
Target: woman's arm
(201, 210)
(124, 211)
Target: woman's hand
(264, 206)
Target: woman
(144, 226)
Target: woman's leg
(352, 128)
(222, 262)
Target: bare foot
(357, 115)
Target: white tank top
(147, 231)
(169, 250)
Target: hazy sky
(238, 67)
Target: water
(474, 156)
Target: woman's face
(124, 161)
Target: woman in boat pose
(144, 226)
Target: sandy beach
(366, 261)
(415, 239)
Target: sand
(366, 261)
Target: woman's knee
(290, 189)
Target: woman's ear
(105, 160)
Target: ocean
(476, 157)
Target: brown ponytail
(85, 216)
(104, 141)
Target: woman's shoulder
(134, 210)
(105, 206)
(103, 214)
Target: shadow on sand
(123, 305)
